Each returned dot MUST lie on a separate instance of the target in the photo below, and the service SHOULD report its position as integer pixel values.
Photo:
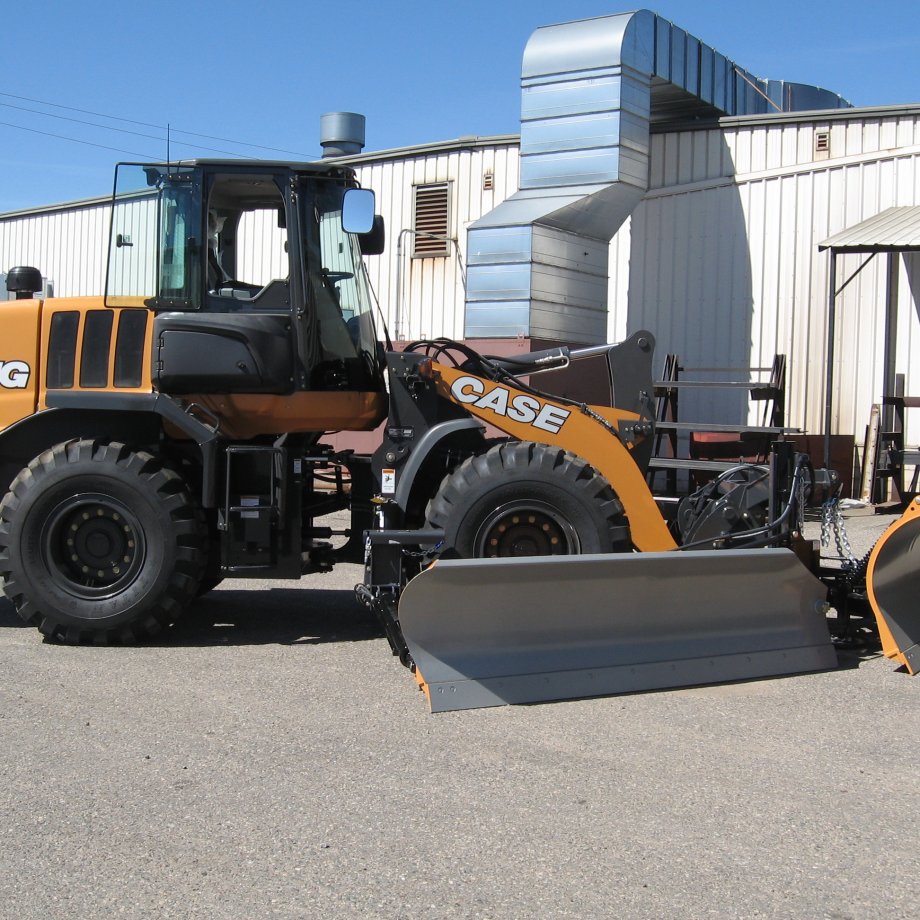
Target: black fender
(132, 417)
(409, 475)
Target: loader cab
(254, 273)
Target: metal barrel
(893, 583)
(488, 632)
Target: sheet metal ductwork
(591, 89)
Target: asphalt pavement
(268, 757)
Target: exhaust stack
(341, 134)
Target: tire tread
(188, 531)
(518, 459)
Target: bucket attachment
(893, 583)
(487, 632)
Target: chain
(832, 525)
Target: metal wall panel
(260, 247)
(724, 265)
(68, 245)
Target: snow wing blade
(893, 582)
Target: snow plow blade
(893, 583)
(490, 632)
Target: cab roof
(313, 168)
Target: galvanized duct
(537, 264)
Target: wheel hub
(526, 529)
(93, 545)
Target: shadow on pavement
(291, 616)
(284, 616)
(8, 616)
(852, 655)
(281, 616)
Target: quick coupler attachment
(391, 557)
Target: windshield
(339, 286)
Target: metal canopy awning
(893, 231)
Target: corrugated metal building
(720, 259)
(724, 259)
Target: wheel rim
(92, 546)
(526, 528)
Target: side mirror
(358, 210)
(373, 242)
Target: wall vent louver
(431, 219)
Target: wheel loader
(169, 434)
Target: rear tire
(100, 543)
(525, 499)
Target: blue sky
(264, 72)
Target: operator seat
(216, 273)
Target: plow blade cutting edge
(488, 632)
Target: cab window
(248, 261)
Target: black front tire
(526, 499)
(100, 543)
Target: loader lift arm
(612, 440)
